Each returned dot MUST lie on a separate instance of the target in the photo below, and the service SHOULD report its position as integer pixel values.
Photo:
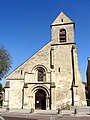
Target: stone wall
(59, 78)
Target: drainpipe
(50, 91)
(88, 78)
(22, 97)
(73, 72)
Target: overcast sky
(25, 27)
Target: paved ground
(16, 114)
(17, 118)
(46, 118)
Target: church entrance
(40, 100)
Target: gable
(41, 57)
(61, 19)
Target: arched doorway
(40, 100)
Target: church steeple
(62, 29)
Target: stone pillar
(47, 102)
(30, 105)
(53, 96)
(76, 97)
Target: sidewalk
(26, 112)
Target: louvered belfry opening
(62, 35)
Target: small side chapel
(51, 77)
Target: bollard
(89, 112)
(75, 111)
(59, 110)
(7, 109)
(32, 110)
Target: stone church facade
(51, 77)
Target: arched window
(41, 74)
(62, 35)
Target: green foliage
(5, 62)
(1, 87)
(1, 102)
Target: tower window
(58, 69)
(21, 72)
(61, 20)
(62, 35)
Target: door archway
(40, 100)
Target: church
(50, 78)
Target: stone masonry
(51, 77)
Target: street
(45, 118)
(17, 118)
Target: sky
(25, 27)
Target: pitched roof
(62, 18)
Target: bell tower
(62, 29)
(64, 64)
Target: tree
(5, 61)
(1, 88)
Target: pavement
(74, 112)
